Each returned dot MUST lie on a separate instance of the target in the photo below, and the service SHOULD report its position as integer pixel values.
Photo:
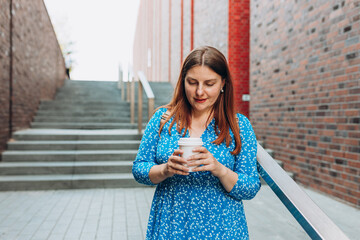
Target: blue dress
(197, 206)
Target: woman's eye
(192, 82)
(210, 84)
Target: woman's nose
(199, 90)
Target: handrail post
(144, 86)
(121, 83)
(150, 107)
(140, 100)
(132, 101)
(128, 90)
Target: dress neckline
(211, 123)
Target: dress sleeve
(248, 183)
(145, 158)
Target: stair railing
(131, 93)
(143, 84)
(121, 83)
(311, 218)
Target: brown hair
(223, 109)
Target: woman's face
(202, 88)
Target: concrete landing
(123, 214)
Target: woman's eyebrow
(207, 80)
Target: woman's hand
(175, 164)
(205, 158)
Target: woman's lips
(200, 100)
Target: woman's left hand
(203, 157)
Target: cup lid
(190, 141)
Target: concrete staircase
(82, 139)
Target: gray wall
(211, 24)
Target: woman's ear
(222, 83)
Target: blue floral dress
(197, 206)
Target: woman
(206, 203)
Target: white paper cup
(187, 145)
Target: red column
(239, 51)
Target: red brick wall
(238, 53)
(38, 67)
(305, 90)
(4, 71)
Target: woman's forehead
(202, 73)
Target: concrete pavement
(122, 214)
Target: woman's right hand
(175, 164)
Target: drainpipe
(11, 71)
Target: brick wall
(239, 16)
(38, 67)
(4, 71)
(305, 90)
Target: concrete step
(81, 139)
(291, 174)
(68, 155)
(87, 113)
(119, 110)
(62, 97)
(270, 152)
(163, 91)
(279, 162)
(44, 168)
(84, 119)
(81, 113)
(60, 125)
(86, 107)
(76, 134)
(79, 109)
(67, 181)
(85, 102)
(54, 119)
(74, 145)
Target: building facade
(298, 60)
(167, 31)
(31, 63)
(305, 90)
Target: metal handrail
(312, 219)
(144, 84)
(131, 93)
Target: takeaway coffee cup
(187, 145)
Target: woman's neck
(203, 117)
(199, 122)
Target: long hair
(223, 108)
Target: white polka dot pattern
(197, 206)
